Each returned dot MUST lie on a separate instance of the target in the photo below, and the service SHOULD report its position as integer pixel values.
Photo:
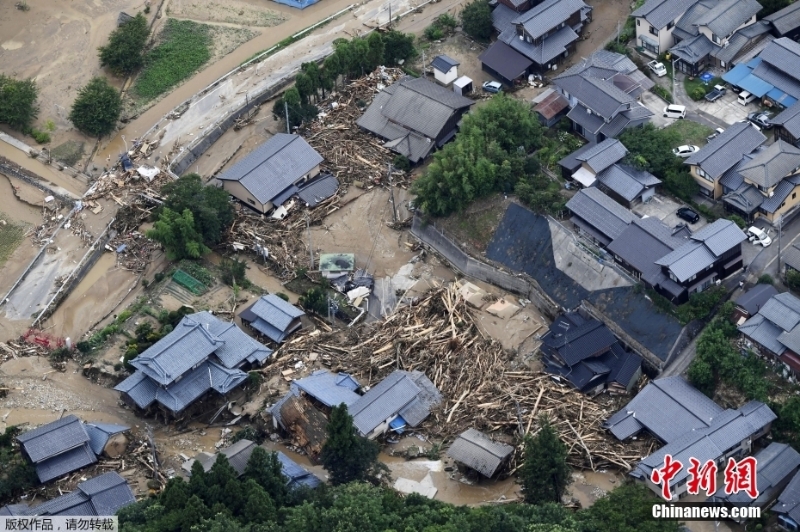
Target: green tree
(545, 473)
(233, 271)
(177, 233)
(299, 112)
(96, 109)
(265, 469)
(793, 279)
(476, 19)
(376, 50)
(304, 86)
(18, 107)
(398, 46)
(315, 300)
(346, 455)
(626, 509)
(124, 53)
(314, 74)
(209, 205)
(258, 507)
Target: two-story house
(769, 183)
(712, 161)
(603, 93)
(706, 28)
(655, 23)
(544, 35)
(775, 330)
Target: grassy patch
(184, 47)
(68, 153)
(697, 90)
(690, 132)
(11, 235)
(475, 226)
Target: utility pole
(286, 109)
(310, 246)
(389, 26)
(674, 97)
(780, 231)
(391, 192)
(618, 32)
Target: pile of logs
(483, 386)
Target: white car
(685, 151)
(675, 111)
(658, 68)
(758, 236)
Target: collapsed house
(691, 425)
(68, 444)
(273, 317)
(585, 353)
(238, 456)
(202, 353)
(477, 451)
(100, 496)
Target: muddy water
(588, 486)
(15, 209)
(49, 173)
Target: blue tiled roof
(65, 462)
(238, 347)
(53, 438)
(140, 388)
(331, 389)
(272, 311)
(295, 474)
(383, 401)
(193, 385)
(103, 495)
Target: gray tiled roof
(318, 190)
(64, 463)
(53, 438)
(627, 181)
(571, 162)
(783, 310)
(269, 169)
(763, 332)
(601, 96)
(103, 495)
(745, 37)
(727, 15)
(694, 49)
(667, 408)
(791, 256)
(776, 75)
(787, 19)
(637, 112)
(602, 63)
(686, 27)
(641, 250)
(791, 339)
(549, 14)
(602, 155)
(602, 212)
(789, 500)
(726, 150)
(70, 504)
(276, 312)
(659, 13)
(591, 122)
(780, 193)
(783, 54)
(194, 384)
(574, 344)
(297, 475)
(477, 451)
(383, 401)
(503, 18)
(770, 166)
(789, 118)
(688, 260)
(752, 300)
(238, 348)
(548, 49)
(331, 389)
(420, 408)
(746, 198)
(173, 355)
(99, 433)
(444, 63)
(720, 236)
(140, 388)
(628, 363)
(504, 60)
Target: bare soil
(474, 227)
(231, 12)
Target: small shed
(463, 86)
(445, 69)
(477, 451)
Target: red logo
(665, 474)
(704, 478)
(741, 476)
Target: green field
(11, 235)
(184, 46)
(689, 132)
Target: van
(675, 111)
(745, 97)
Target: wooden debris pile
(483, 386)
(133, 249)
(350, 153)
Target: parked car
(675, 111)
(685, 151)
(715, 134)
(658, 68)
(760, 118)
(758, 236)
(716, 94)
(745, 97)
(685, 213)
(492, 86)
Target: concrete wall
(664, 37)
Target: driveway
(664, 208)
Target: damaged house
(773, 329)
(585, 353)
(202, 353)
(414, 116)
(273, 317)
(478, 452)
(68, 444)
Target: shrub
(697, 93)
(793, 279)
(233, 271)
(766, 279)
(446, 20)
(42, 137)
(660, 91)
(401, 162)
(282, 296)
(738, 220)
(434, 32)
(158, 277)
(315, 300)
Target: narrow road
(681, 363)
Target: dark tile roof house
(745, 43)
(102, 496)
(272, 167)
(443, 63)
(786, 22)
(627, 183)
(787, 508)
(775, 328)
(273, 317)
(586, 354)
(477, 451)
(405, 395)
(732, 431)
(415, 116)
(603, 155)
(726, 150)
(666, 408)
(777, 464)
(598, 215)
(791, 257)
(201, 354)
(770, 166)
(772, 75)
(327, 388)
(312, 193)
(787, 122)
(65, 445)
(239, 454)
(641, 244)
(659, 13)
(504, 62)
(751, 301)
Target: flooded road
(57, 180)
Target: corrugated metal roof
(602, 155)
(183, 348)
(659, 13)
(602, 212)
(785, 20)
(331, 389)
(383, 401)
(444, 63)
(65, 462)
(552, 105)
(273, 166)
(477, 451)
(727, 149)
(770, 166)
(53, 438)
(318, 190)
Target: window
(638, 22)
(670, 25)
(692, 278)
(251, 201)
(653, 31)
(794, 195)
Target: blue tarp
(755, 85)
(398, 424)
(781, 98)
(299, 4)
(122, 248)
(705, 77)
